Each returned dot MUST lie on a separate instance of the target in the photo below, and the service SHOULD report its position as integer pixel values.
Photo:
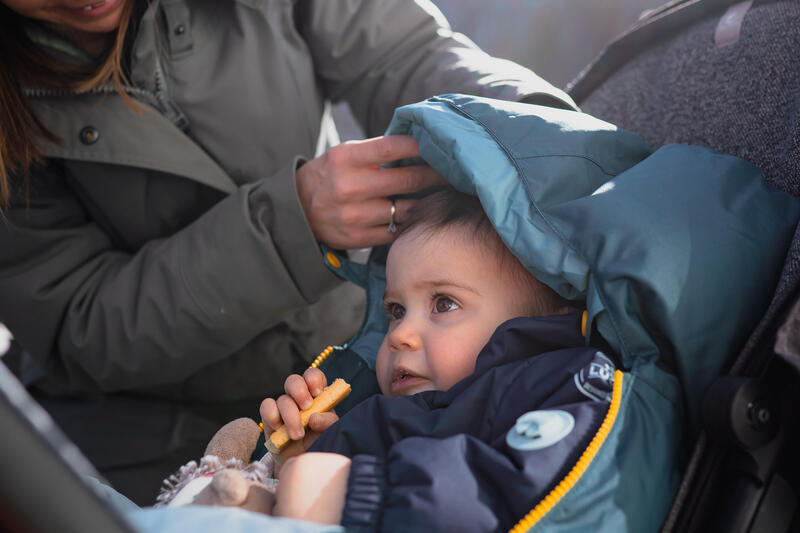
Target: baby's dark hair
(447, 207)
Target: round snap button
(539, 429)
(89, 135)
(180, 29)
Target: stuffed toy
(225, 476)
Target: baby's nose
(404, 336)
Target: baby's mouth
(405, 381)
(401, 374)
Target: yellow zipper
(321, 357)
(560, 490)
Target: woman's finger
(378, 150)
(290, 414)
(373, 227)
(295, 386)
(373, 213)
(385, 182)
(315, 380)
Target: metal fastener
(89, 135)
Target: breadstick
(327, 400)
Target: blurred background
(554, 38)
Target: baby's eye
(395, 310)
(443, 304)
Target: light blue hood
(675, 253)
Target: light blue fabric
(118, 501)
(203, 519)
(200, 518)
(372, 278)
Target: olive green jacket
(164, 248)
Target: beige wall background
(554, 38)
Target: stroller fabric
(723, 74)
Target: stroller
(724, 74)
(750, 285)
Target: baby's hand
(300, 392)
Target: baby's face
(445, 296)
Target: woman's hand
(346, 196)
(313, 487)
(300, 392)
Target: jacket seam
(592, 160)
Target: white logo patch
(596, 380)
(539, 429)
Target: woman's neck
(94, 44)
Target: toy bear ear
(236, 439)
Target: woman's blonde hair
(24, 64)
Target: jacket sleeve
(381, 54)
(464, 482)
(96, 316)
(453, 484)
(470, 479)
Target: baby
(450, 282)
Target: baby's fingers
(298, 390)
(315, 380)
(270, 416)
(291, 417)
(319, 422)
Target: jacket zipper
(564, 486)
(108, 88)
(170, 110)
(156, 99)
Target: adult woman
(160, 238)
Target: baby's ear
(236, 439)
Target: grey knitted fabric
(742, 99)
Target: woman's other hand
(346, 195)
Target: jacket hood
(675, 253)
